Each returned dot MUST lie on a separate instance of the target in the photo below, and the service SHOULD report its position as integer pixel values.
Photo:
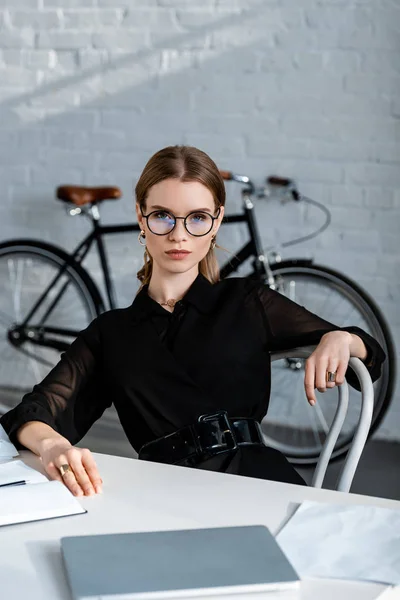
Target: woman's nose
(179, 231)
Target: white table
(140, 496)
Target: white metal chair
(367, 405)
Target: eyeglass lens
(162, 222)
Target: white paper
(23, 503)
(16, 470)
(7, 449)
(356, 542)
(391, 593)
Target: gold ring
(65, 469)
(330, 376)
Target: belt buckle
(230, 443)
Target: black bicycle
(47, 297)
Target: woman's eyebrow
(159, 207)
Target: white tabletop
(144, 496)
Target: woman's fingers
(68, 478)
(91, 469)
(53, 472)
(320, 373)
(332, 368)
(309, 380)
(341, 372)
(81, 474)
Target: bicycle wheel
(291, 425)
(27, 270)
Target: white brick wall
(89, 89)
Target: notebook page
(23, 503)
(16, 470)
(7, 449)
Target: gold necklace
(171, 303)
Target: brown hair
(185, 163)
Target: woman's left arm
(289, 325)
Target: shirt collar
(202, 294)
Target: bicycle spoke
(36, 282)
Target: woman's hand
(83, 479)
(331, 355)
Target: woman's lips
(177, 254)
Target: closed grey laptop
(176, 564)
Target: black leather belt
(211, 435)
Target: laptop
(176, 564)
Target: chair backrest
(360, 437)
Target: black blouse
(163, 370)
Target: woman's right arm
(60, 410)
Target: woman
(187, 364)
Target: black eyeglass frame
(193, 212)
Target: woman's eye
(199, 217)
(162, 216)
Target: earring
(142, 236)
(213, 243)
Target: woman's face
(174, 197)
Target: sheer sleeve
(289, 325)
(71, 397)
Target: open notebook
(176, 564)
(36, 501)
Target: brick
(346, 104)
(311, 127)
(11, 58)
(38, 59)
(395, 107)
(56, 175)
(217, 145)
(184, 3)
(315, 171)
(202, 16)
(367, 129)
(66, 60)
(92, 18)
(266, 145)
(88, 58)
(311, 82)
(132, 39)
(372, 84)
(24, 38)
(273, 59)
(63, 40)
(161, 18)
(82, 120)
(345, 195)
(385, 175)
(18, 77)
(380, 61)
(126, 3)
(350, 218)
(69, 3)
(378, 198)
(389, 267)
(125, 160)
(20, 3)
(387, 221)
(18, 174)
(49, 19)
(213, 102)
(335, 18)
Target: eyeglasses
(197, 223)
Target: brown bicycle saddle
(80, 195)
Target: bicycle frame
(36, 334)
(252, 248)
